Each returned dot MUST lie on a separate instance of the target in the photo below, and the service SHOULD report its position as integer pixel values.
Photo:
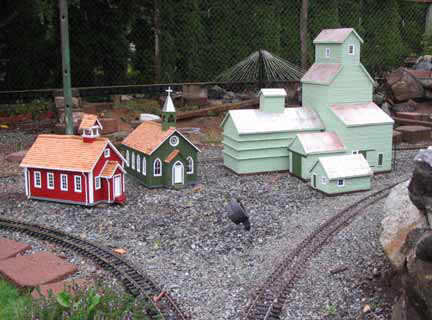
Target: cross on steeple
(169, 90)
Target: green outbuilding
(158, 155)
(341, 174)
(307, 148)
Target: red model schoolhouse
(84, 170)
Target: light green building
(340, 89)
(331, 177)
(257, 140)
(338, 118)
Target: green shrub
(94, 303)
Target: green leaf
(64, 299)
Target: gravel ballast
(184, 241)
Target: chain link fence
(130, 42)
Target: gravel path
(184, 241)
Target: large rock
(404, 86)
(420, 187)
(415, 302)
(401, 216)
(409, 106)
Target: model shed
(340, 174)
(306, 148)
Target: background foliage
(117, 42)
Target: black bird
(237, 213)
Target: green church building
(338, 118)
(158, 155)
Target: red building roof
(65, 152)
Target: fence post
(67, 86)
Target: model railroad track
(268, 301)
(135, 282)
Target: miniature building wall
(256, 152)
(148, 179)
(331, 186)
(272, 103)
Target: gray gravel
(184, 241)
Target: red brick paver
(11, 248)
(56, 287)
(36, 269)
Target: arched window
(133, 160)
(190, 165)
(127, 158)
(144, 168)
(138, 163)
(157, 168)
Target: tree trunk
(304, 33)
(157, 30)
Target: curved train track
(135, 282)
(268, 301)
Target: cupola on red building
(84, 170)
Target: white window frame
(97, 183)
(382, 159)
(133, 160)
(323, 180)
(144, 166)
(107, 153)
(78, 178)
(190, 165)
(342, 184)
(65, 177)
(174, 141)
(127, 158)
(327, 52)
(35, 179)
(50, 180)
(160, 168)
(353, 49)
(138, 163)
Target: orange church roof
(147, 137)
(64, 152)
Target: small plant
(94, 303)
(330, 310)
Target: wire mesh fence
(129, 42)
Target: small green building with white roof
(341, 174)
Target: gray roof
(253, 121)
(322, 73)
(360, 114)
(320, 142)
(345, 166)
(335, 35)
